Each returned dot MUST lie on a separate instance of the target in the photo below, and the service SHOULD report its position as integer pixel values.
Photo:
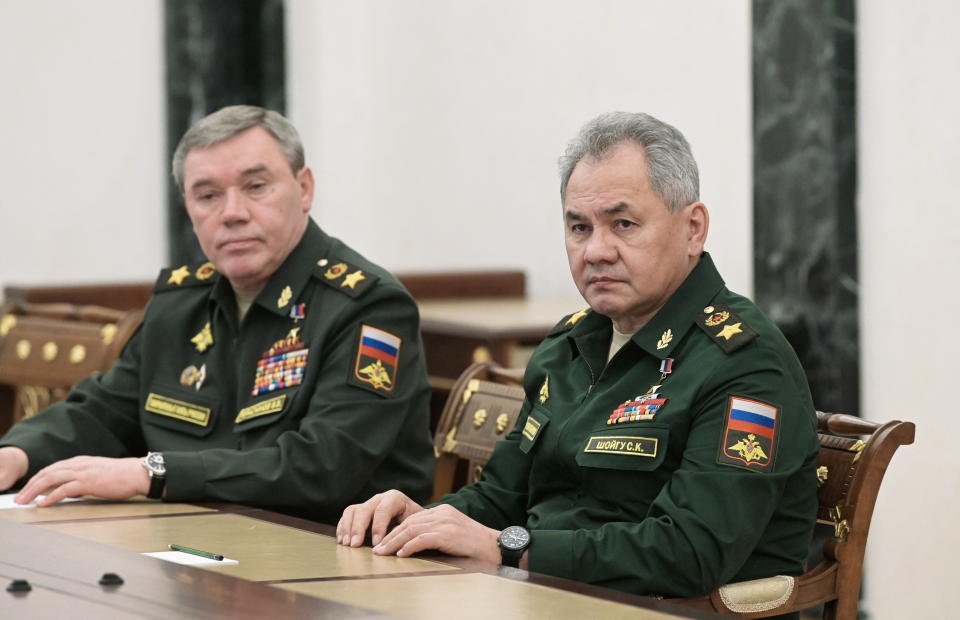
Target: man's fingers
(70, 489)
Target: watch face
(156, 464)
(514, 537)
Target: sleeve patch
(749, 436)
(378, 356)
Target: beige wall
(909, 63)
(81, 141)
(434, 126)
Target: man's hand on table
(443, 528)
(87, 475)
(13, 466)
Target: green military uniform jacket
(708, 480)
(317, 400)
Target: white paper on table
(179, 557)
(6, 501)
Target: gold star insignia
(285, 296)
(576, 317)
(293, 333)
(729, 331)
(352, 279)
(179, 275)
(203, 339)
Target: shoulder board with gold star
(725, 328)
(173, 278)
(567, 322)
(343, 276)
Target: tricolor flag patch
(750, 435)
(378, 353)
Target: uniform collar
(591, 335)
(294, 273)
(669, 325)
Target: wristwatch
(154, 465)
(513, 542)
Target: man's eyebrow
(620, 207)
(201, 183)
(576, 216)
(254, 170)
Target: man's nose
(234, 207)
(600, 248)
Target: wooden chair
(849, 474)
(483, 407)
(46, 348)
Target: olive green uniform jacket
(329, 427)
(676, 500)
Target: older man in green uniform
(667, 443)
(286, 372)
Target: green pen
(202, 554)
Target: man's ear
(698, 224)
(306, 183)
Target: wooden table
(459, 332)
(287, 567)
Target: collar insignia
(545, 390)
(203, 339)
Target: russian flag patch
(378, 354)
(749, 436)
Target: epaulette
(171, 278)
(343, 276)
(725, 328)
(567, 322)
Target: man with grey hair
(284, 372)
(667, 443)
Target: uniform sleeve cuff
(185, 476)
(551, 553)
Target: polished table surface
(287, 567)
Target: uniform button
(19, 585)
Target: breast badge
(378, 354)
(749, 437)
(281, 366)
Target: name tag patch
(266, 407)
(531, 428)
(173, 408)
(623, 444)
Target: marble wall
(805, 240)
(218, 53)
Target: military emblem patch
(750, 434)
(378, 354)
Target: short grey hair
(232, 120)
(671, 168)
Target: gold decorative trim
(23, 349)
(822, 474)
(49, 351)
(108, 332)
(7, 323)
